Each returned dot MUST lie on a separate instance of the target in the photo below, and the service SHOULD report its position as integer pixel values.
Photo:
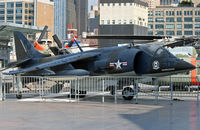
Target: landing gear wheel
(82, 94)
(19, 96)
(128, 93)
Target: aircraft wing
(65, 60)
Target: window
(179, 19)
(18, 17)
(102, 21)
(102, 4)
(150, 13)
(179, 32)
(185, 13)
(113, 4)
(179, 26)
(197, 25)
(26, 17)
(10, 5)
(30, 23)
(31, 17)
(197, 19)
(150, 26)
(2, 5)
(159, 33)
(167, 13)
(191, 12)
(31, 11)
(9, 17)
(188, 32)
(113, 21)
(2, 11)
(150, 20)
(124, 4)
(188, 19)
(169, 19)
(197, 32)
(18, 4)
(159, 20)
(150, 33)
(173, 13)
(108, 21)
(158, 26)
(26, 5)
(9, 11)
(31, 5)
(18, 22)
(26, 11)
(2, 17)
(119, 22)
(162, 13)
(19, 11)
(169, 32)
(170, 26)
(188, 26)
(177, 13)
(124, 21)
(131, 21)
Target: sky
(91, 2)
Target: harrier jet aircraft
(143, 60)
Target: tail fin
(24, 49)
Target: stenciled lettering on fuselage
(118, 65)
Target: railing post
(19, 86)
(155, 82)
(136, 92)
(115, 93)
(1, 88)
(171, 99)
(103, 91)
(197, 91)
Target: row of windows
(186, 19)
(172, 13)
(10, 4)
(172, 26)
(18, 11)
(17, 17)
(122, 4)
(17, 4)
(123, 22)
(172, 33)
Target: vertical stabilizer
(24, 48)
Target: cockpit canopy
(156, 50)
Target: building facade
(122, 17)
(93, 19)
(168, 2)
(27, 12)
(174, 21)
(152, 3)
(81, 15)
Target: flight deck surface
(182, 115)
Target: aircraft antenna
(78, 44)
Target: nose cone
(183, 65)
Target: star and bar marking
(118, 64)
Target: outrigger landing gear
(128, 93)
(19, 96)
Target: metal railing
(118, 87)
